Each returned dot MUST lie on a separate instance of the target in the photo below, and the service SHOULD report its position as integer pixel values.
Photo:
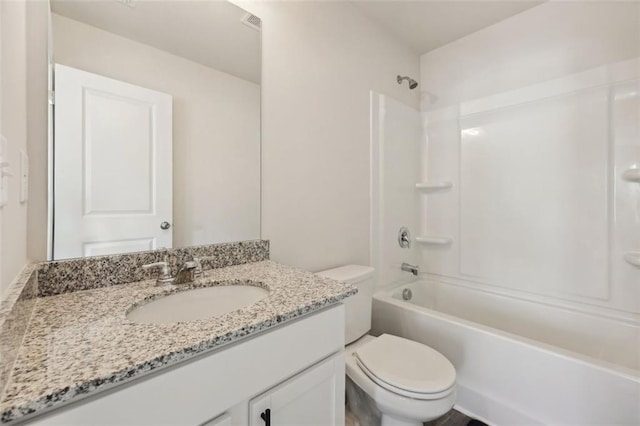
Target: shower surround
(523, 200)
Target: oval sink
(199, 303)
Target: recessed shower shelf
(433, 186)
(434, 240)
(632, 175)
(633, 258)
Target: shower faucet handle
(404, 237)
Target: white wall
(534, 119)
(216, 125)
(37, 129)
(320, 61)
(13, 111)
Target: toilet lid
(406, 365)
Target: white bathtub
(520, 362)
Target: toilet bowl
(391, 380)
(388, 392)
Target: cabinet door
(314, 397)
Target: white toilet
(395, 380)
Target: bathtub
(521, 362)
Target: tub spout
(410, 268)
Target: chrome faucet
(199, 271)
(187, 273)
(410, 268)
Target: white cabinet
(297, 369)
(313, 397)
(223, 420)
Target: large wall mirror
(156, 126)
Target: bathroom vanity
(82, 361)
(294, 373)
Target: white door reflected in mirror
(112, 166)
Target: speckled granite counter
(80, 343)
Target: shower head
(412, 83)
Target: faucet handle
(199, 272)
(163, 265)
(164, 276)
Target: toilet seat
(406, 367)
(414, 409)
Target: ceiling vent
(252, 21)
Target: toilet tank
(357, 307)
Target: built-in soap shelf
(434, 240)
(433, 186)
(633, 258)
(631, 175)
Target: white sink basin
(199, 303)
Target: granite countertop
(80, 343)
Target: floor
(452, 418)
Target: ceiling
(207, 32)
(210, 32)
(428, 24)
